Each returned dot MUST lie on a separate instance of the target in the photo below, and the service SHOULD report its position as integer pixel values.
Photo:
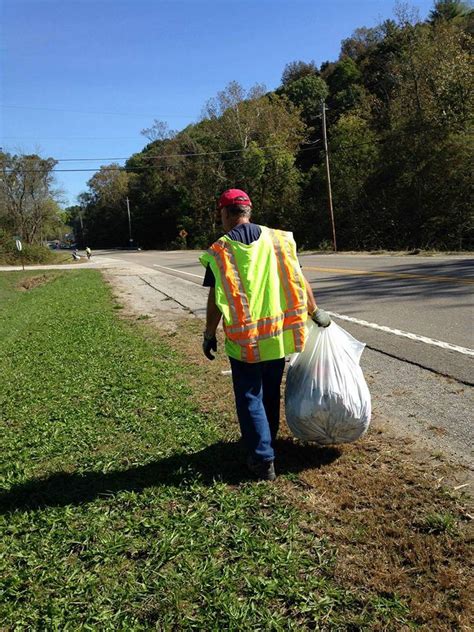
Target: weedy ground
(31, 255)
(125, 505)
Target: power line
(139, 168)
(119, 168)
(181, 155)
(191, 154)
(412, 131)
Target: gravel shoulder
(429, 413)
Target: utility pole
(129, 224)
(328, 173)
(82, 228)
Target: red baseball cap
(234, 196)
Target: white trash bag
(326, 397)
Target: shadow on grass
(219, 462)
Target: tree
(28, 201)
(306, 94)
(344, 81)
(103, 217)
(247, 138)
(109, 186)
(449, 10)
(158, 131)
(257, 151)
(354, 157)
(361, 40)
(433, 77)
(297, 70)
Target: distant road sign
(19, 247)
(183, 233)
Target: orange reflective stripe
(286, 269)
(254, 335)
(263, 321)
(233, 286)
(214, 252)
(251, 353)
(293, 294)
(259, 329)
(265, 326)
(296, 318)
(296, 270)
(299, 336)
(269, 331)
(237, 329)
(244, 302)
(282, 272)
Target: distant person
(88, 252)
(75, 255)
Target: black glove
(209, 343)
(321, 318)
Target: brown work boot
(263, 470)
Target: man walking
(257, 287)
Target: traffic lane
(454, 267)
(183, 263)
(415, 306)
(416, 310)
(446, 362)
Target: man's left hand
(209, 343)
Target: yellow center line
(394, 275)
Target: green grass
(123, 506)
(439, 523)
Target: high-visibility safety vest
(261, 293)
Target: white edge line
(405, 334)
(180, 271)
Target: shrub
(30, 254)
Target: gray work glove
(209, 343)
(321, 318)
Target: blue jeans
(257, 398)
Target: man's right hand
(209, 343)
(321, 318)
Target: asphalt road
(430, 297)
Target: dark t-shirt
(245, 234)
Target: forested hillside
(399, 117)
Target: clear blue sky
(81, 78)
